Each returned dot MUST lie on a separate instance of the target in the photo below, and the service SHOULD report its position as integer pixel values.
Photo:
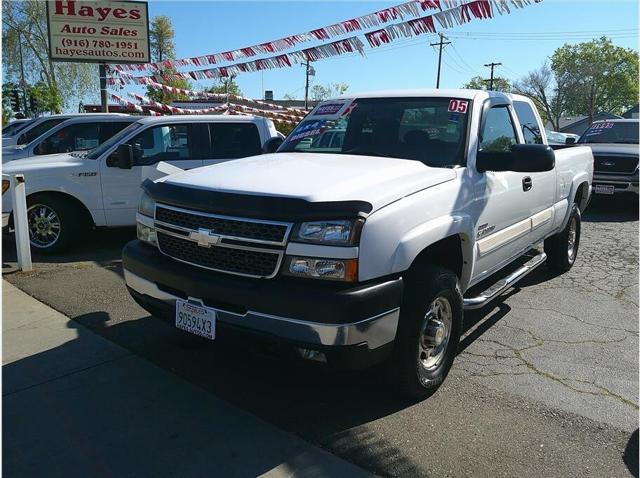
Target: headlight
(333, 232)
(5, 185)
(147, 205)
(316, 268)
(145, 228)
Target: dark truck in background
(615, 150)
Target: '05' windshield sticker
(458, 106)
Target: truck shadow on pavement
(611, 209)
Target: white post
(20, 222)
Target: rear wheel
(54, 223)
(562, 248)
(429, 332)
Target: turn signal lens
(328, 269)
(5, 185)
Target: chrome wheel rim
(571, 241)
(44, 226)
(434, 334)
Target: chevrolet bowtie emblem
(204, 237)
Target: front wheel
(54, 223)
(429, 331)
(562, 248)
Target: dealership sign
(98, 31)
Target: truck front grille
(615, 164)
(248, 247)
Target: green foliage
(330, 90)
(600, 76)
(45, 99)
(7, 111)
(284, 128)
(478, 83)
(162, 48)
(221, 87)
(161, 39)
(25, 27)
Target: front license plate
(196, 319)
(605, 189)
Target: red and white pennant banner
(458, 14)
(206, 94)
(411, 9)
(178, 111)
(341, 47)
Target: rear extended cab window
(531, 129)
(234, 140)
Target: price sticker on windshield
(458, 106)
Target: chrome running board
(503, 284)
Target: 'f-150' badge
(204, 237)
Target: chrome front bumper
(622, 183)
(374, 331)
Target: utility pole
(441, 44)
(22, 82)
(492, 66)
(306, 87)
(102, 71)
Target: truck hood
(613, 148)
(44, 163)
(11, 153)
(317, 177)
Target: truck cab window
(76, 137)
(498, 133)
(161, 143)
(33, 133)
(234, 140)
(528, 122)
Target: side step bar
(503, 284)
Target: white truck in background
(69, 193)
(367, 244)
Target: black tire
(410, 362)
(70, 218)
(562, 248)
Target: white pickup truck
(70, 192)
(364, 245)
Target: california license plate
(605, 189)
(195, 318)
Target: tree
(7, 110)
(547, 92)
(599, 76)
(478, 83)
(330, 90)
(25, 26)
(43, 98)
(161, 38)
(162, 48)
(221, 87)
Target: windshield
(97, 152)
(13, 128)
(430, 130)
(624, 132)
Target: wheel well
(86, 215)
(446, 253)
(582, 194)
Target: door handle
(527, 183)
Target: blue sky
(214, 26)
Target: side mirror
(272, 145)
(523, 158)
(570, 140)
(122, 157)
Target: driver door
(180, 144)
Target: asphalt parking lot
(545, 383)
